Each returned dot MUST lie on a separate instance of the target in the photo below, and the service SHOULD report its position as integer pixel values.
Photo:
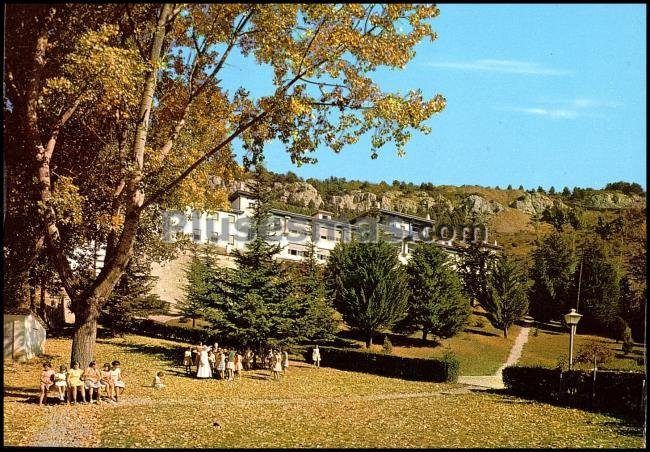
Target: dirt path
(496, 381)
(69, 427)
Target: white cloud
(553, 113)
(503, 66)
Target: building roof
(237, 193)
(26, 312)
(393, 213)
(286, 213)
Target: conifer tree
(507, 300)
(368, 286)
(474, 267)
(436, 302)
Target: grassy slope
(308, 408)
(548, 347)
(481, 349)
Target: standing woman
(204, 370)
(75, 384)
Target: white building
(24, 334)
(230, 230)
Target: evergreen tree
(507, 301)
(198, 288)
(551, 190)
(600, 287)
(317, 319)
(473, 269)
(521, 187)
(132, 297)
(554, 264)
(566, 192)
(509, 187)
(436, 302)
(368, 286)
(252, 305)
(540, 189)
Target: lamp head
(572, 318)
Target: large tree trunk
(505, 332)
(424, 335)
(85, 333)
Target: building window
(293, 252)
(232, 240)
(197, 236)
(215, 237)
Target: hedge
(437, 370)
(616, 392)
(147, 327)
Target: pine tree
(198, 288)
(252, 305)
(551, 191)
(507, 301)
(554, 264)
(368, 286)
(436, 302)
(473, 269)
(540, 189)
(509, 187)
(566, 192)
(521, 187)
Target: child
(230, 365)
(277, 364)
(47, 380)
(221, 367)
(187, 360)
(116, 373)
(315, 356)
(75, 384)
(238, 364)
(107, 381)
(91, 378)
(212, 360)
(285, 361)
(60, 383)
(157, 381)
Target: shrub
(588, 351)
(387, 346)
(628, 344)
(614, 392)
(445, 369)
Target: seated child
(157, 381)
(75, 384)
(47, 380)
(107, 381)
(91, 378)
(60, 382)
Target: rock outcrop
(533, 203)
(609, 200)
(299, 194)
(478, 205)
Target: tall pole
(579, 283)
(573, 332)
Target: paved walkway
(496, 381)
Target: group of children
(71, 382)
(228, 364)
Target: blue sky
(548, 95)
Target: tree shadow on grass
(170, 355)
(480, 332)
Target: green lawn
(310, 407)
(548, 347)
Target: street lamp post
(572, 319)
